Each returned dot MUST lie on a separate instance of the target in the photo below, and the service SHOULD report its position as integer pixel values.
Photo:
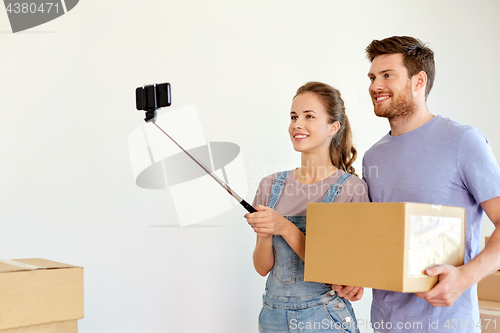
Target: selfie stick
(245, 204)
(151, 98)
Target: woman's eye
(294, 117)
(309, 116)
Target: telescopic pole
(245, 204)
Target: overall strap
(277, 189)
(334, 189)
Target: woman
(320, 131)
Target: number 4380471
(32, 8)
(469, 324)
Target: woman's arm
(263, 257)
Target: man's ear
(419, 81)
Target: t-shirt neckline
(415, 131)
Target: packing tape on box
(19, 264)
(157, 163)
(437, 207)
(433, 240)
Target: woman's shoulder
(271, 177)
(354, 189)
(264, 189)
(267, 180)
(354, 180)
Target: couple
(424, 158)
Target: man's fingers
(337, 287)
(356, 294)
(436, 270)
(341, 290)
(353, 293)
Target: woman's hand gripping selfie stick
(153, 97)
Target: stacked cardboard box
(488, 292)
(40, 296)
(490, 316)
(382, 245)
(488, 289)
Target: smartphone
(152, 97)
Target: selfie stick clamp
(153, 97)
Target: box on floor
(40, 296)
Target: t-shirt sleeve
(477, 166)
(263, 191)
(360, 192)
(354, 190)
(257, 199)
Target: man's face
(390, 87)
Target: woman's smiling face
(309, 128)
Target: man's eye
(387, 75)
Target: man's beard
(401, 107)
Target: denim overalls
(292, 304)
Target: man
(429, 159)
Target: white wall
(67, 108)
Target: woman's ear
(334, 128)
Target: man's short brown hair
(416, 55)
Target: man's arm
(453, 281)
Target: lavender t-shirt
(296, 196)
(443, 163)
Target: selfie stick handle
(245, 204)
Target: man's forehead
(387, 62)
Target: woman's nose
(298, 123)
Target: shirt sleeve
(360, 192)
(263, 192)
(353, 190)
(477, 166)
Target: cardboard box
(59, 327)
(488, 289)
(382, 245)
(36, 292)
(489, 313)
